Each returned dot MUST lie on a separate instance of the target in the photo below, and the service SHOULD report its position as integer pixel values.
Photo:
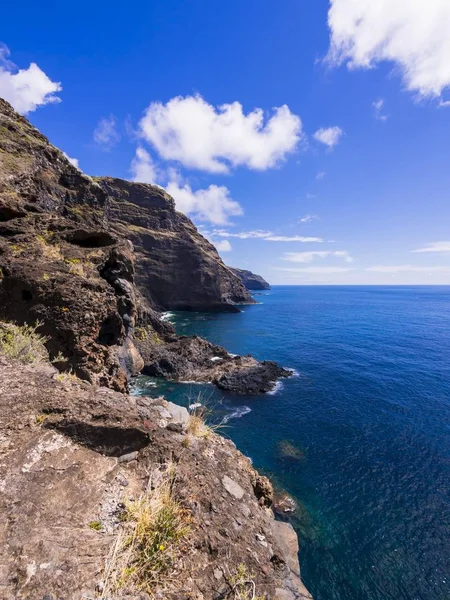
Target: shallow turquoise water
(369, 412)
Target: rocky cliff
(91, 260)
(176, 267)
(250, 280)
(59, 265)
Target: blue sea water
(369, 413)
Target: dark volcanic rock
(58, 264)
(251, 280)
(183, 358)
(257, 379)
(176, 267)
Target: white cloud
(308, 218)
(413, 34)
(73, 161)
(309, 196)
(307, 257)
(293, 238)
(223, 246)
(378, 106)
(143, 168)
(243, 235)
(407, 268)
(105, 134)
(315, 270)
(201, 136)
(25, 89)
(267, 236)
(212, 204)
(435, 247)
(329, 136)
(320, 175)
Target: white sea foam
(148, 384)
(194, 405)
(215, 358)
(237, 414)
(166, 316)
(195, 382)
(294, 372)
(278, 387)
(231, 355)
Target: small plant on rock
(242, 585)
(23, 343)
(199, 414)
(154, 526)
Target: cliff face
(59, 265)
(69, 247)
(250, 280)
(176, 267)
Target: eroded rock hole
(27, 296)
(107, 440)
(98, 239)
(7, 213)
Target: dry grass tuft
(23, 343)
(149, 542)
(242, 584)
(198, 425)
(49, 250)
(66, 376)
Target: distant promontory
(251, 280)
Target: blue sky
(329, 163)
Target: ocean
(360, 437)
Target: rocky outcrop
(251, 280)
(59, 265)
(74, 455)
(195, 359)
(89, 260)
(176, 267)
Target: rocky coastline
(251, 280)
(93, 262)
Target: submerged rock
(287, 449)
